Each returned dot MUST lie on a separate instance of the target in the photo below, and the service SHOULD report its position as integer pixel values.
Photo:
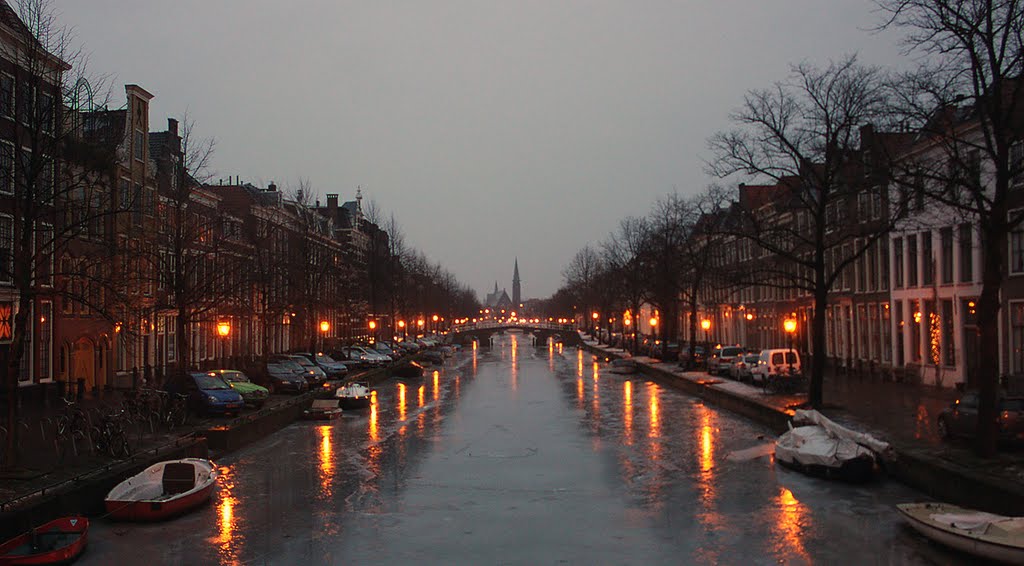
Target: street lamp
(596, 327)
(325, 327)
(789, 325)
(401, 324)
(223, 330)
(434, 319)
(705, 324)
(373, 330)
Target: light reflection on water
(229, 545)
(326, 460)
(627, 413)
(790, 525)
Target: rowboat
(995, 537)
(323, 410)
(819, 447)
(60, 541)
(163, 490)
(623, 366)
(355, 395)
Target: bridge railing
(489, 325)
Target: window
(928, 267)
(946, 243)
(886, 334)
(1016, 162)
(6, 168)
(912, 261)
(915, 331)
(966, 254)
(948, 347)
(6, 95)
(900, 340)
(1017, 336)
(1017, 251)
(44, 254)
(45, 112)
(140, 148)
(25, 372)
(897, 262)
(6, 248)
(45, 340)
(23, 103)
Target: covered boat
(410, 369)
(820, 447)
(323, 410)
(60, 541)
(623, 366)
(163, 490)
(985, 535)
(355, 395)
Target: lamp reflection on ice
(401, 401)
(790, 524)
(579, 363)
(227, 544)
(627, 412)
(326, 460)
(655, 430)
(437, 384)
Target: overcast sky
(489, 129)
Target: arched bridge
(482, 331)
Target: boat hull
(857, 470)
(352, 403)
(135, 499)
(68, 537)
(971, 542)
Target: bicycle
(72, 425)
(173, 410)
(109, 437)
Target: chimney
(172, 126)
(332, 201)
(271, 187)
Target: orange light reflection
(790, 524)
(326, 461)
(627, 412)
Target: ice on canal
(524, 455)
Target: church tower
(516, 290)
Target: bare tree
(967, 98)
(803, 136)
(55, 186)
(623, 255)
(581, 276)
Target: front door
(83, 363)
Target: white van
(776, 361)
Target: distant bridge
(482, 331)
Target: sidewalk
(903, 415)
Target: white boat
(994, 537)
(163, 490)
(820, 447)
(623, 366)
(355, 395)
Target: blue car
(210, 394)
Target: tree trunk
(184, 341)
(815, 391)
(995, 232)
(13, 369)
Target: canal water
(523, 455)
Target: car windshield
(234, 377)
(290, 365)
(751, 359)
(209, 382)
(325, 360)
(303, 361)
(732, 351)
(1013, 405)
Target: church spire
(516, 287)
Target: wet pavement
(519, 455)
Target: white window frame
(46, 340)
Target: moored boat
(819, 447)
(323, 410)
(163, 490)
(355, 395)
(60, 541)
(995, 537)
(410, 369)
(623, 366)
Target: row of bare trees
(948, 132)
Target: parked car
(961, 417)
(332, 368)
(722, 357)
(698, 357)
(284, 376)
(665, 352)
(252, 394)
(305, 367)
(209, 394)
(775, 361)
(740, 369)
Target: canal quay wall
(84, 494)
(959, 478)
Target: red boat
(60, 541)
(163, 490)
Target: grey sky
(490, 129)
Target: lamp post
(705, 324)
(596, 328)
(654, 331)
(434, 319)
(401, 325)
(373, 331)
(789, 325)
(223, 331)
(419, 325)
(325, 327)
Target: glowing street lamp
(401, 324)
(789, 325)
(223, 329)
(705, 324)
(325, 326)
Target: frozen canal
(519, 455)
